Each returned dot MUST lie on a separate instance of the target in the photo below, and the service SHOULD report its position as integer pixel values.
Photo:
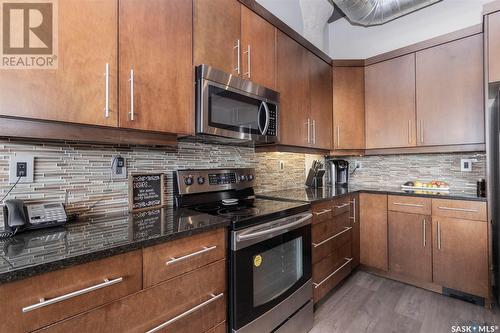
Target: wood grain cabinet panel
(217, 31)
(462, 209)
(348, 108)
(460, 254)
(390, 103)
(76, 90)
(410, 245)
(258, 49)
(373, 230)
(450, 94)
(292, 82)
(407, 204)
(320, 91)
(493, 47)
(155, 41)
(165, 261)
(28, 292)
(154, 306)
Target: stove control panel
(210, 180)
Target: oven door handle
(252, 235)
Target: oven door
(228, 112)
(269, 267)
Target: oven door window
(266, 273)
(235, 112)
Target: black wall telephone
(18, 216)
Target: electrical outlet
(21, 167)
(358, 165)
(118, 167)
(466, 165)
(282, 165)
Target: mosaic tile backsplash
(394, 170)
(82, 172)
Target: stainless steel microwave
(230, 107)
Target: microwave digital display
(222, 178)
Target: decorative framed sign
(146, 191)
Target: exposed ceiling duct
(375, 12)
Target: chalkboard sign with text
(146, 191)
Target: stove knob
(188, 180)
(250, 177)
(243, 178)
(201, 180)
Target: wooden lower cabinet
(160, 304)
(355, 246)
(460, 254)
(410, 245)
(373, 230)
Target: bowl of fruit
(435, 185)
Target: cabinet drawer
(165, 261)
(326, 246)
(68, 292)
(191, 303)
(469, 210)
(412, 205)
(221, 328)
(327, 265)
(341, 206)
(338, 272)
(322, 212)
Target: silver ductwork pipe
(376, 12)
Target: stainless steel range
(270, 286)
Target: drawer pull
(213, 298)
(330, 238)
(324, 211)
(343, 205)
(44, 302)
(205, 249)
(353, 217)
(407, 204)
(459, 209)
(348, 260)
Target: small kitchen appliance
(270, 260)
(337, 172)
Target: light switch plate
(466, 165)
(30, 163)
(116, 173)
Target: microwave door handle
(258, 119)
(266, 127)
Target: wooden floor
(368, 303)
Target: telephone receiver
(19, 216)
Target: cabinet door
(355, 230)
(160, 57)
(410, 245)
(293, 85)
(76, 90)
(217, 34)
(390, 103)
(460, 255)
(348, 108)
(258, 49)
(493, 48)
(450, 93)
(321, 102)
(373, 230)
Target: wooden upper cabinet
(373, 230)
(217, 34)
(493, 40)
(390, 103)
(321, 102)
(292, 82)
(155, 42)
(76, 90)
(450, 94)
(258, 48)
(348, 108)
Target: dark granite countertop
(39, 251)
(326, 193)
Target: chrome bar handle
(238, 64)
(247, 52)
(212, 299)
(106, 107)
(459, 209)
(421, 131)
(204, 249)
(424, 222)
(324, 211)
(316, 285)
(242, 237)
(338, 136)
(409, 131)
(439, 235)
(43, 302)
(343, 205)
(407, 204)
(346, 229)
(308, 130)
(353, 217)
(131, 79)
(314, 131)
